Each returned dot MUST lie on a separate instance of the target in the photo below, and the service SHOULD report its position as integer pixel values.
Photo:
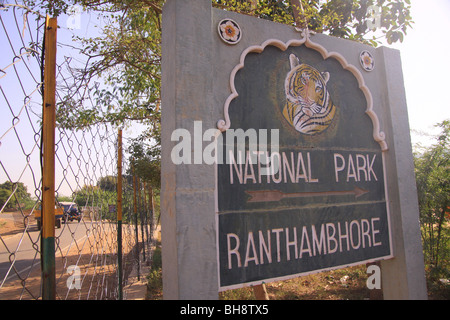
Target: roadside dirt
(7, 227)
(96, 259)
(14, 224)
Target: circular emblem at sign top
(229, 31)
(366, 60)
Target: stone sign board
(305, 189)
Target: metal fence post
(141, 217)
(145, 222)
(150, 210)
(135, 181)
(48, 164)
(119, 214)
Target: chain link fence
(87, 240)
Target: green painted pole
(135, 182)
(119, 215)
(48, 164)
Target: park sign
(303, 187)
(283, 153)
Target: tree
(98, 198)
(20, 196)
(432, 169)
(146, 159)
(108, 183)
(4, 195)
(349, 19)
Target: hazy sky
(425, 69)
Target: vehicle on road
(59, 213)
(71, 211)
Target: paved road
(22, 248)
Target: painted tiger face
(309, 108)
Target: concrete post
(404, 276)
(187, 190)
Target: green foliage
(20, 196)
(122, 73)
(4, 195)
(154, 278)
(340, 18)
(432, 168)
(146, 159)
(98, 198)
(51, 7)
(108, 183)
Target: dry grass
(343, 284)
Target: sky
(424, 54)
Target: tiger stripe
(309, 108)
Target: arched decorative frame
(224, 124)
(378, 136)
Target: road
(21, 249)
